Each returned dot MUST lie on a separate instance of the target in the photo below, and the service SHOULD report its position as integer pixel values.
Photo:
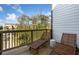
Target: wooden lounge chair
(38, 43)
(67, 45)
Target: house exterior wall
(65, 19)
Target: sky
(10, 12)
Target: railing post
(46, 31)
(52, 24)
(1, 44)
(31, 36)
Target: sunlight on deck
(24, 50)
(17, 51)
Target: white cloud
(11, 16)
(2, 21)
(48, 13)
(12, 21)
(1, 9)
(17, 8)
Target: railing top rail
(7, 31)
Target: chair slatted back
(69, 39)
(43, 35)
(46, 35)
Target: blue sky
(9, 13)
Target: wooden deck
(25, 51)
(17, 51)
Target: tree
(34, 19)
(41, 21)
(44, 20)
(1, 27)
(23, 21)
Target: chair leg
(34, 51)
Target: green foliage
(24, 38)
(24, 20)
(41, 21)
(1, 27)
(38, 22)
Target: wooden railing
(16, 38)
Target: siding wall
(65, 19)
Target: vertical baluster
(25, 38)
(28, 38)
(21, 38)
(38, 34)
(1, 43)
(9, 40)
(12, 40)
(46, 31)
(42, 32)
(17, 38)
(31, 36)
(35, 34)
(5, 41)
